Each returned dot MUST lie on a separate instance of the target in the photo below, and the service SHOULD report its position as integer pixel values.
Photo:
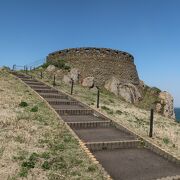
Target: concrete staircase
(119, 151)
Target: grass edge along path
(38, 145)
(125, 114)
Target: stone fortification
(101, 63)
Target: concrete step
(135, 164)
(67, 99)
(48, 91)
(62, 102)
(92, 124)
(110, 145)
(83, 118)
(24, 77)
(102, 134)
(68, 107)
(57, 96)
(29, 81)
(40, 86)
(73, 112)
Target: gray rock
(142, 84)
(88, 82)
(158, 107)
(51, 68)
(74, 74)
(127, 91)
(167, 103)
(67, 79)
(112, 85)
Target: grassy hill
(34, 142)
(166, 131)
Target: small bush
(23, 104)
(59, 63)
(33, 157)
(46, 165)
(34, 109)
(166, 140)
(28, 164)
(45, 155)
(45, 65)
(105, 108)
(23, 172)
(108, 110)
(91, 168)
(119, 112)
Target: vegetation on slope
(150, 98)
(166, 131)
(34, 142)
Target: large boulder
(74, 74)
(127, 91)
(167, 104)
(112, 85)
(88, 82)
(51, 68)
(59, 73)
(67, 79)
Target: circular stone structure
(101, 63)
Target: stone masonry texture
(101, 63)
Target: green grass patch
(108, 110)
(118, 112)
(23, 104)
(34, 109)
(166, 140)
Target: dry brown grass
(166, 131)
(36, 139)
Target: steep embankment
(34, 142)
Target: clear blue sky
(148, 29)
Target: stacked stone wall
(101, 63)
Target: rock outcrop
(127, 91)
(88, 82)
(67, 79)
(51, 68)
(166, 105)
(72, 75)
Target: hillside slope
(34, 142)
(166, 130)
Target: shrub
(45, 65)
(119, 112)
(166, 140)
(28, 164)
(45, 155)
(34, 109)
(23, 104)
(105, 108)
(23, 172)
(59, 63)
(46, 165)
(91, 168)
(108, 110)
